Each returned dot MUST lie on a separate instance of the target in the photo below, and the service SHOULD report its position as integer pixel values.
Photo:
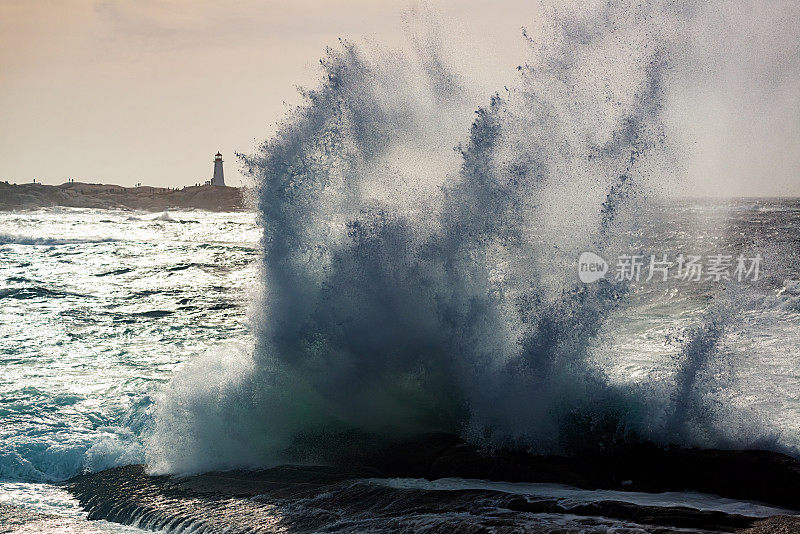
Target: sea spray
(410, 287)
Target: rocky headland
(104, 196)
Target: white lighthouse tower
(219, 178)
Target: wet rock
(248, 499)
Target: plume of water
(409, 287)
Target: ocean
(519, 270)
(97, 310)
(101, 308)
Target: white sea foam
(571, 496)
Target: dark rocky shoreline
(266, 500)
(104, 196)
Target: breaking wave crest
(10, 239)
(410, 287)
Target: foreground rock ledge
(271, 499)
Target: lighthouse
(219, 178)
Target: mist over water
(419, 254)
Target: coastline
(390, 485)
(105, 196)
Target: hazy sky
(148, 90)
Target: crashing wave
(412, 288)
